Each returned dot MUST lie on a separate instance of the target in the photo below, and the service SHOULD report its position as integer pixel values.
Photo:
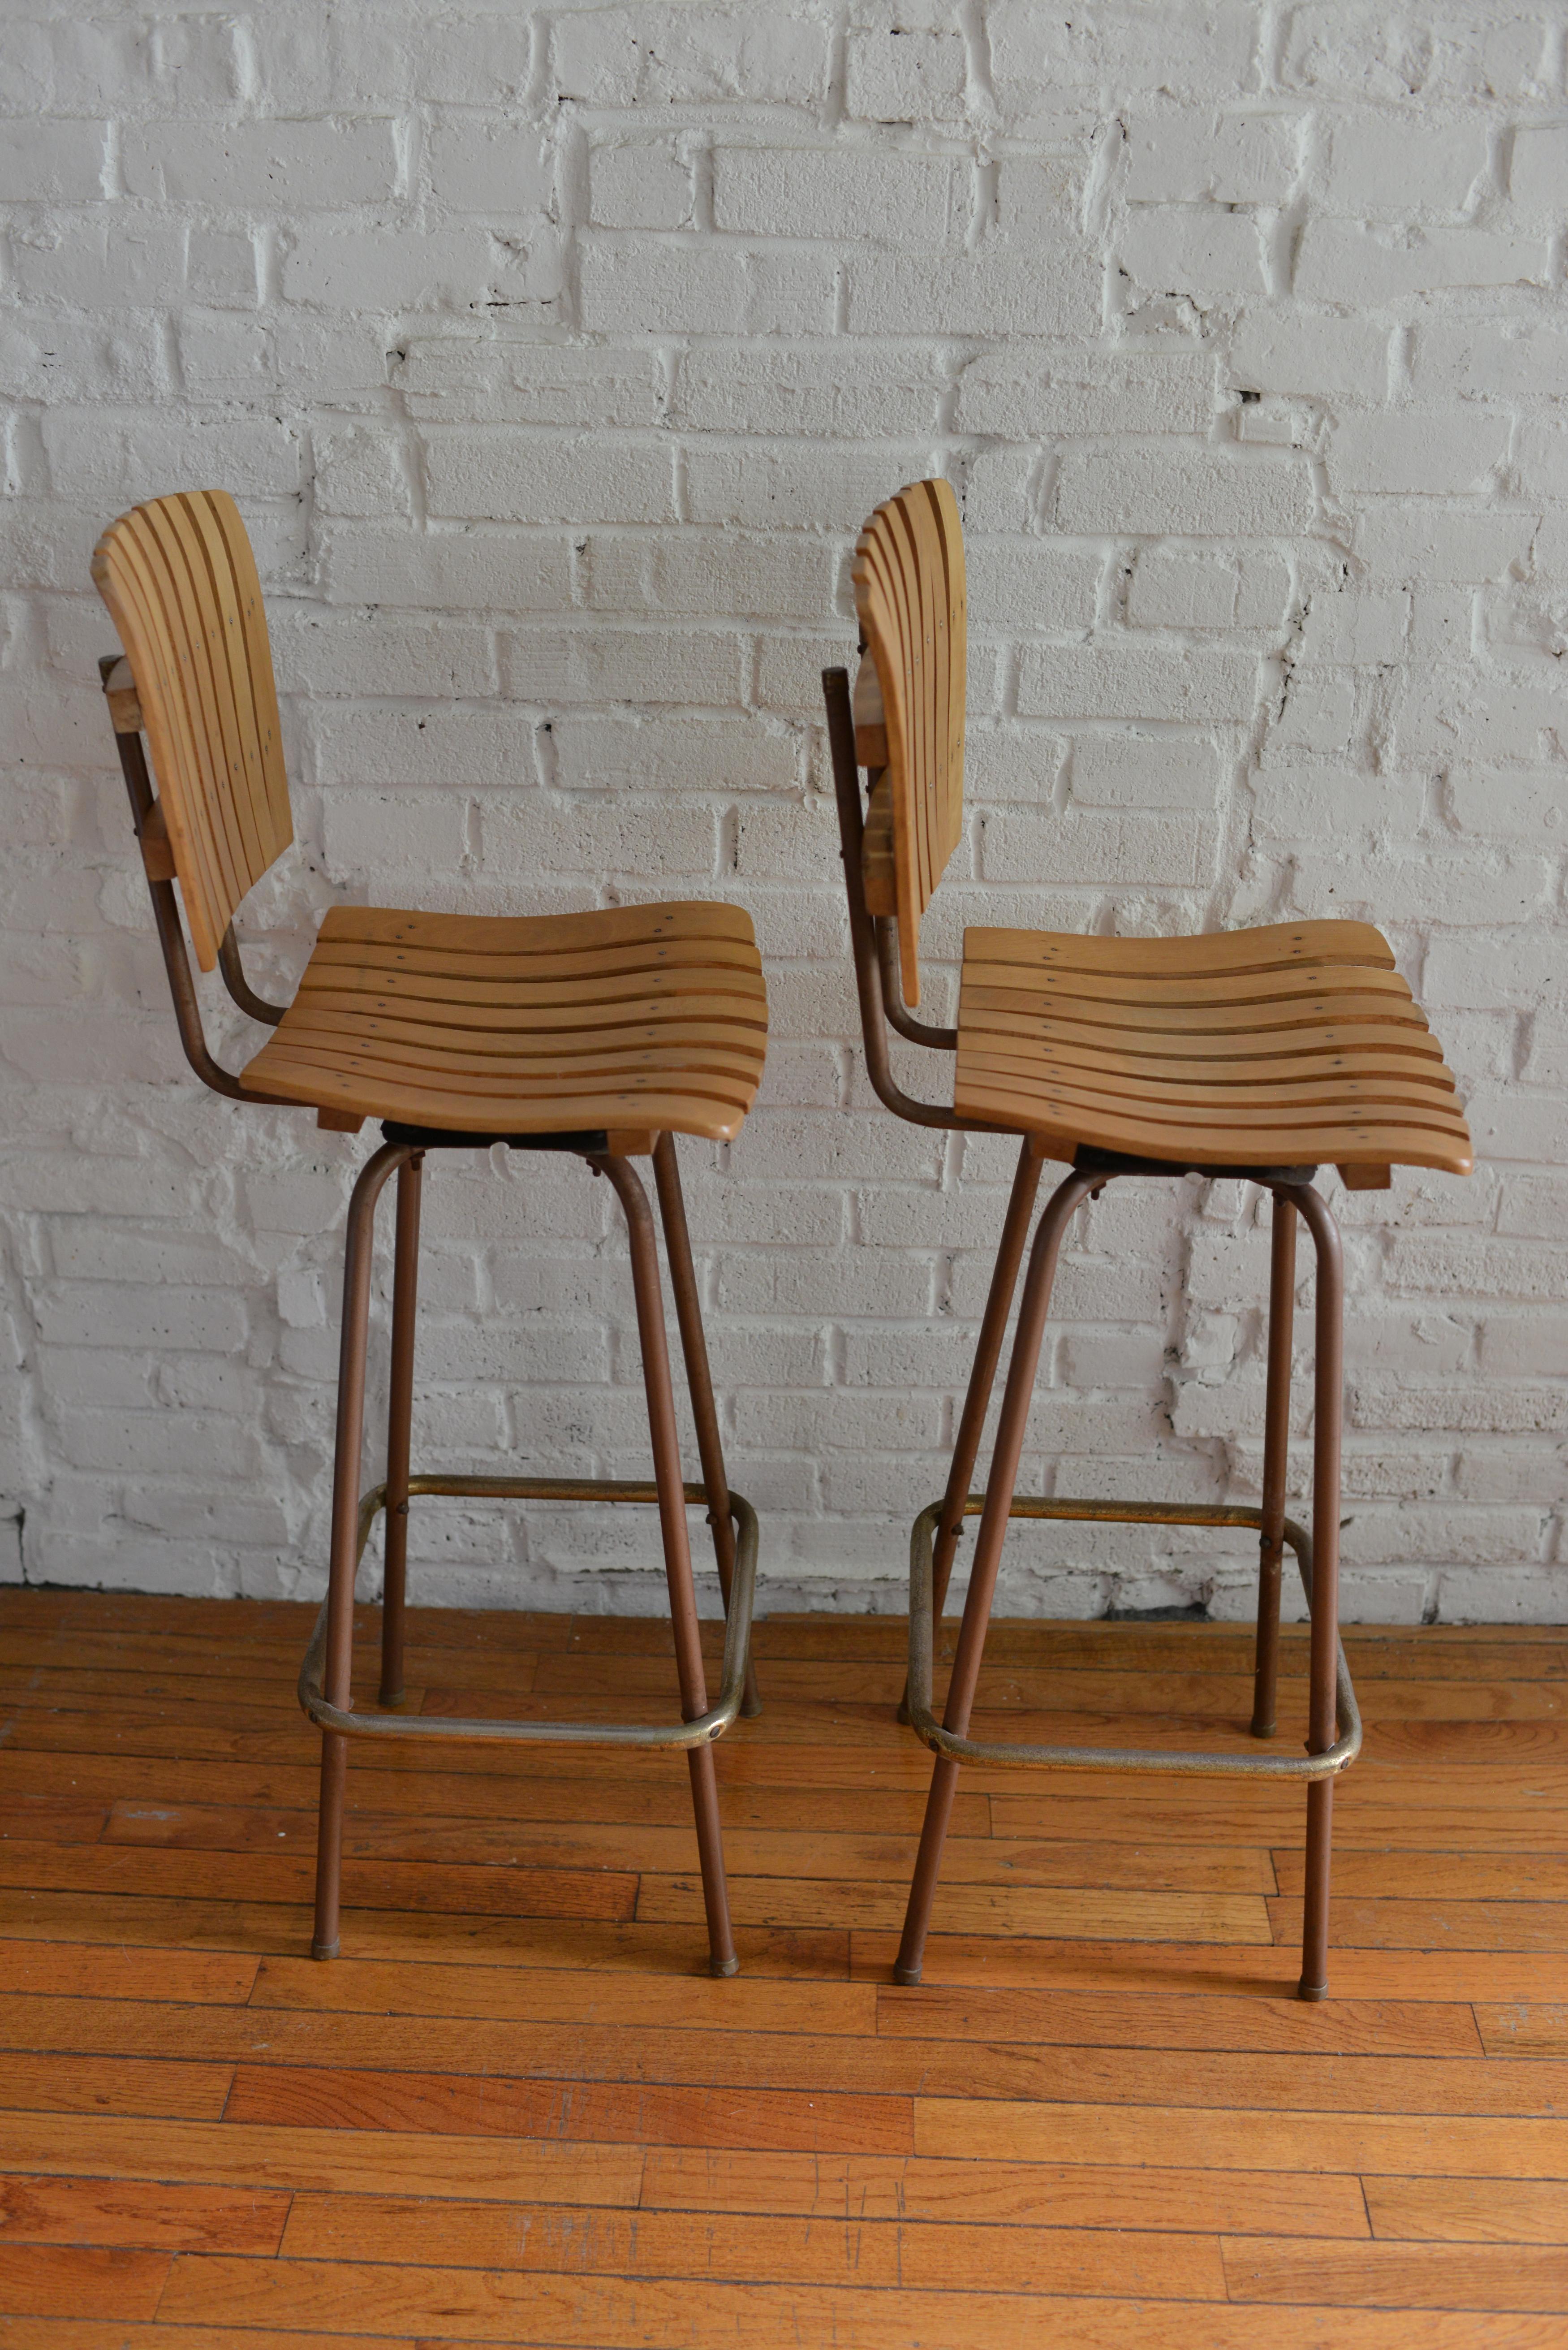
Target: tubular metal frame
(1334, 1729)
(326, 1674)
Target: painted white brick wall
(554, 358)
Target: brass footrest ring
(930, 1730)
(677, 1735)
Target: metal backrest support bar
(863, 938)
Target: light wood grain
(551, 2128)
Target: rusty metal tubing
(862, 936)
(918, 1031)
(400, 1425)
(1276, 1452)
(699, 1379)
(700, 1732)
(254, 1007)
(963, 1749)
(171, 940)
(655, 1348)
(1328, 1400)
(337, 1613)
(981, 1379)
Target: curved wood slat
(1274, 1061)
(1275, 946)
(1263, 1049)
(410, 1018)
(179, 582)
(910, 597)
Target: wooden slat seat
(645, 1017)
(1281, 1046)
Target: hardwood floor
(516, 2110)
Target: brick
(1356, 264)
(655, 665)
(1204, 250)
(470, 570)
(673, 755)
(373, 831)
(269, 165)
(1378, 163)
(811, 392)
(1038, 52)
(1133, 681)
(1178, 153)
(1427, 455)
(1198, 492)
(1538, 175)
(527, 833)
(676, 55)
(904, 74)
(820, 192)
(506, 475)
(445, 269)
(1019, 584)
(697, 571)
(451, 377)
(1143, 771)
(1282, 351)
(1076, 394)
(479, 165)
(45, 161)
(796, 488)
(997, 291)
(640, 183)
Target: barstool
(1255, 1054)
(603, 1035)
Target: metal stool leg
(1327, 1405)
(399, 1428)
(345, 1537)
(999, 1492)
(1276, 1451)
(698, 1380)
(722, 1960)
(981, 1381)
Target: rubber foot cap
(1261, 1729)
(750, 1708)
(1311, 1990)
(722, 1967)
(324, 1950)
(904, 1714)
(393, 1704)
(907, 1976)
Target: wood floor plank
(1002, 1910)
(787, 2250)
(396, 1935)
(152, 2215)
(284, 1877)
(579, 1844)
(67, 2084)
(92, 1970)
(938, 2191)
(307, 2097)
(1525, 2277)
(1246, 1971)
(1186, 2020)
(1470, 2210)
(335, 2160)
(1183, 2136)
(1389, 1876)
(440, 1794)
(567, 1995)
(520, 2111)
(714, 2058)
(1435, 1923)
(536, 2309)
(1525, 2028)
(80, 2281)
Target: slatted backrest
(180, 584)
(910, 597)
